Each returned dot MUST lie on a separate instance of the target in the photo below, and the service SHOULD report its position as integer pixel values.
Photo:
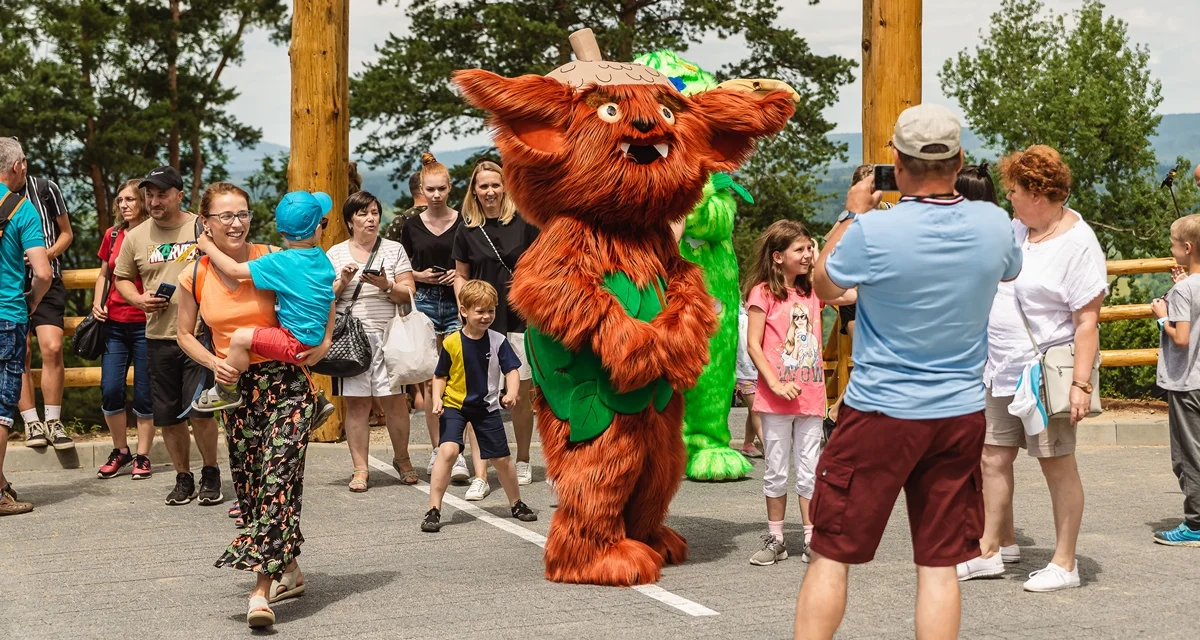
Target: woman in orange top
(259, 447)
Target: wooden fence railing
(837, 350)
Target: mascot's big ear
(737, 119)
(533, 109)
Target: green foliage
(406, 98)
(1086, 91)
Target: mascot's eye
(667, 115)
(609, 112)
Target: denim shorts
(12, 365)
(438, 302)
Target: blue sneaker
(1181, 536)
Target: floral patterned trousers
(267, 438)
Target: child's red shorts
(277, 343)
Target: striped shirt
(373, 306)
(47, 198)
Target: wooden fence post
(320, 133)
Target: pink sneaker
(142, 468)
(117, 460)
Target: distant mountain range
(1178, 135)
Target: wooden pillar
(891, 71)
(891, 83)
(320, 140)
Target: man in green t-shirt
(419, 205)
(21, 238)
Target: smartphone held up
(885, 178)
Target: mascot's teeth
(662, 149)
(624, 147)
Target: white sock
(30, 415)
(53, 412)
(808, 531)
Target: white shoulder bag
(1058, 371)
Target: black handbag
(88, 342)
(349, 352)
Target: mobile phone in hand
(165, 291)
(437, 269)
(885, 177)
(373, 272)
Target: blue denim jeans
(124, 345)
(438, 302)
(12, 365)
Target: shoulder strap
(1028, 328)
(198, 277)
(494, 250)
(370, 261)
(9, 206)
(112, 241)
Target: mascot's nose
(643, 125)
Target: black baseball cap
(164, 178)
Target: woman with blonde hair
(124, 344)
(487, 247)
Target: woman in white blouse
(1061, 287)
(388, 282)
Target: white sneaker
(980, 567)
(1052, 578)
(460, 473)
(1010, 554)
(478, 490)
(432, 459)
(524, 473)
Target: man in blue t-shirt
(926, 273)
(21, 239)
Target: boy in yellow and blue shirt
(466, 389)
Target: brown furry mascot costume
(603, 156)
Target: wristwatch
(1086, 386)
(846, 215)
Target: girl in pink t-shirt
(784, 341)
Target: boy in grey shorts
(1179, 373)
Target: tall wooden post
(320, 144)
(891, 83)
(891, 76)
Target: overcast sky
(832, 27)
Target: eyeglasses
(227, 217)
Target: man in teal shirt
(21, 238)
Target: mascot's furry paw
(718, 463)
(625, 564)
(670, 545)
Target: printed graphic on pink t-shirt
(792, 346)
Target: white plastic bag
(409, 350)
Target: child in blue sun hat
(302, 279)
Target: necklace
(1062, 213)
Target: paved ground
(107, 558)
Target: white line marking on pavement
(652, 591)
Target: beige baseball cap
(926, 124)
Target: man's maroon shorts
(277, 343)
(863, 467)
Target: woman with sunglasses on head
(374, 276)
(268, 433)
(124, 345)
(487, 247)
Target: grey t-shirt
(1179, 367)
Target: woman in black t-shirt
(487, 246)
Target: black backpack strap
(8, 208)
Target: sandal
(260, 614)
(406, 477)
(290, 589)
(358, 482)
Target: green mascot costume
(708, 242)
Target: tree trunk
(891, 77)
(197, 165)
(628, 18)
(173, 84)
(99, 189)
(320, 138)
